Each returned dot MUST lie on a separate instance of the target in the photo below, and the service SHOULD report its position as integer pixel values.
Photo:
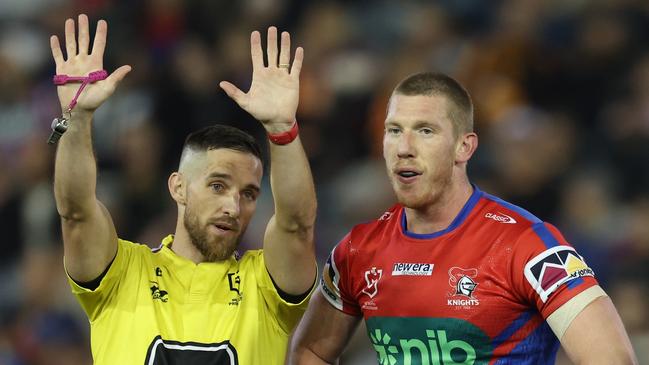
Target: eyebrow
(219, 175)
(224, 176)
(418, 124)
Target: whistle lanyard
(60, 125)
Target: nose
(230, 205)
(405, 147)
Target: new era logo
(412, 269)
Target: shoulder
(129, 245)
(506, 213)
(369, 230)
(250, 260)
(515, 222)
(133, 253)
(250, 256)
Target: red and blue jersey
(478, 292)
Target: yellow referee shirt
(155, 307)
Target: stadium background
(561, 90)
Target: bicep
(322, 334)
(597, 336)
(89, 244)
(290, 257)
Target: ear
(466, 146)
(177, 187)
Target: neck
(182, 244)
(440, 214)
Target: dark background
(561, 91)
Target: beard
(425, 194)
(212, 248)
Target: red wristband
(284, 137)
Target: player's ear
(177, 187)
(465, 147)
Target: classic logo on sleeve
(554, 267)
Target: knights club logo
(463, 284)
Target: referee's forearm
(292, 186)
(75, 169)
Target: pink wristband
(284, 137)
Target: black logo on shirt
(164, 352)
(156, 293)
(235, 283)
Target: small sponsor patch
(412, 269)
(553, 267)
(372, 277)
(329, 283)
(501, 218)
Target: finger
(84, 37)
(70, 41)
(297, 62)
(233, 92)
(117, 76)
(99, 44)
(285, 50)
(56, 51)
(271, 47)
(255, 51)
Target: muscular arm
(89, 237)
(272, 99)
(597, 336)
(322, 334)
(288, 242)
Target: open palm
(274, 93)
(80, 63)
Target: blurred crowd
(561, 91)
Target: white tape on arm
(562, 317)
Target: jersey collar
(165, 248)
(459, 219)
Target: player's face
(419, 148)
(221, 200)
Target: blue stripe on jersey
(466, 209)
(539, 347)
(545, 235)
(574, 283)
(524, 213)
(539, 227)
(516, 325)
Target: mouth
(407, 175)
(224, 227)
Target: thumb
(233, 92)
(118, 75)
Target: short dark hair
(433, 83)
(222, 136)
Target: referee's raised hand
(274, 93)
(80, 61)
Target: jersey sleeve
(286, 314)
(95, 301)
(547, 271)
(336, 279)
